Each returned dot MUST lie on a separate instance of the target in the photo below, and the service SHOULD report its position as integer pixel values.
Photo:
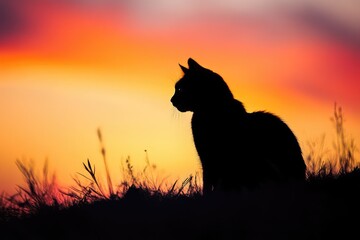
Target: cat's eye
(179, 89)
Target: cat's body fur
(237, 149)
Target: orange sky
(68, 68)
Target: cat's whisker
(175, 114)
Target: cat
(237, 149)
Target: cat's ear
(184, 69)
(193, 65)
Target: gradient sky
(70, 67)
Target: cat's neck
(222, 106)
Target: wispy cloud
(12, 23)
(329, 26)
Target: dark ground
(321, 209)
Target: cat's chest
(204, 122)
(219, 124)
(207, 126)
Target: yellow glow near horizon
(58, 121)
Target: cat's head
(199, 88)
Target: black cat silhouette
(237, 149)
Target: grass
(322, 162)
(143, 206)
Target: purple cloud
(11, 22)
(329, 26)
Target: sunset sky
(70, 67)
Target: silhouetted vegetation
(322, 162)
(144, 206)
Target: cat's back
(272, 129)
(277, 142)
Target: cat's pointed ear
(193, 64)
(184, 69)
